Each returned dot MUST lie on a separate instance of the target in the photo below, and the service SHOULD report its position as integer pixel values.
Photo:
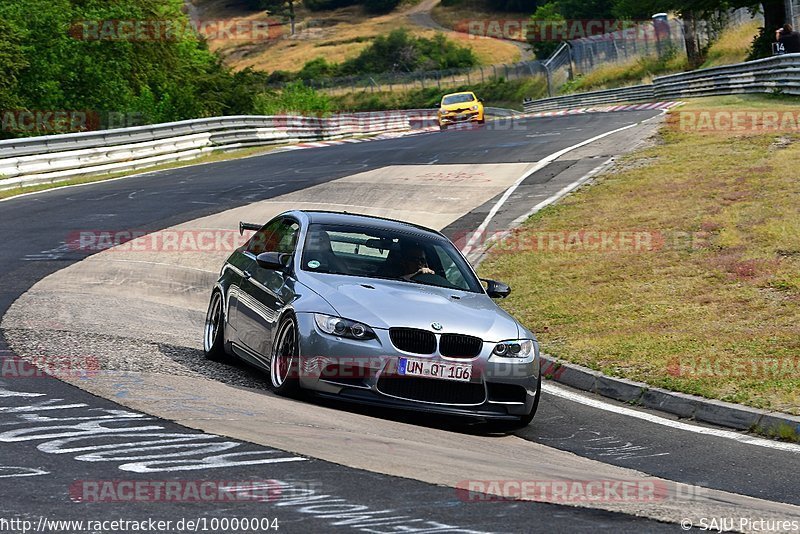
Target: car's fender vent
(413, 340)
(460, 346)
(499, 392)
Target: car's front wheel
(214, 330)
(284, 363)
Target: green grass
(723, 290)
(733, 46)
(633, 72)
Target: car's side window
(285, 237)
(276, 236)
(261, 240)
(451, 270)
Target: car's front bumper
(365, 372)
(453, 118)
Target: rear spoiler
(248, 226)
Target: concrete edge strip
(683, 405)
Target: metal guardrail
(780, 74)
(53, 158)
(636, 93)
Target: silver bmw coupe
(374, 311)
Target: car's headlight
(474, 108)
(518, 349)
(337, 326)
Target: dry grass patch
(733, 46)
(713, 306)
(335, 35)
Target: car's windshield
(458, 99)
(390, 254)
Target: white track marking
(561, 193)
(537, 167)
(747, 439)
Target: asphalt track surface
(33, 225)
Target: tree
(692, 11)
(546, 15)
(281, 8)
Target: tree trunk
(690, 39)
(774, 15)
(291, 16)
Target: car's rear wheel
(214, 330)
(284, 362)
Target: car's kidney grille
(413, 340)
(432, 390)
(460, 346)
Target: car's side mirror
(274, 261)
(497, 290)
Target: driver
(414, 262)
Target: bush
(401, 52)
(294, 98)
(315, 69)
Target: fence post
(439, 80)
(549, 81)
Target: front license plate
(461, 372)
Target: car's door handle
(246, 275)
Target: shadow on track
(238, 374)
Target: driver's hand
(425, 270)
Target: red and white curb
(334, 142)
(605, 109)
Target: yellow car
(460, 107)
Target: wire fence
(439, 79)
(661, 37)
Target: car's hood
(388, 303)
